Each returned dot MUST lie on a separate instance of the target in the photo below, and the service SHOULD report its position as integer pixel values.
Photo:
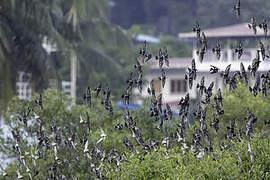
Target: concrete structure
(228, 36)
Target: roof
(173, 63)
(236, 30)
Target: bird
(225, 74)
(192, 73)
(126, 97)
(139, 82)
(163, 77)
(201, 86)
(145, 55)
(39, 102)
(138, 66)
(98, 89)
(239, 50)
(217, 50)
(215, 122)
(264, 26)
(203, 40)
(130, 81)
(201, 52)
(262, 51)
(197, 29)
(255, 64)
(233, 80)
(213, 69)
(253, 25)
(209, 92)
(256, 87)
(169, 113)
(237, 8)
(163, 56)
(264, 86)
(102, 136)
(87, 97)
(119, 127)
(243, 73)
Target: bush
(234, 163)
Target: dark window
(178, 86)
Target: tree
(74, 26)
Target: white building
(229, 37)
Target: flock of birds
(97, 157)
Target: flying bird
(264, 26)
(253, 25)
(243, 73)
(237, 8)
(163, 77)
(217, 50)
(213, 69)
(239, 50)
(197, 29)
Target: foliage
(236, 105)
(78, 27)
(57, 111)
(161, 164)
(234, 163)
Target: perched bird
(264, 86)
(239, 50)
(139, 82)
(138, 66)
(213, 69)
(106, 102)
(24, 116)
(264, 26)
(98, 89)
(119, 127)
(253, 25)
(217, 50)
(145, 55)
(237, 7)
(168, 112)
(197, 29)
(102, 136)
(266, 122)
(126, 97)
(39, 102)
(215, 122)
(87, 97)
(130, 82)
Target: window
(178, 86)
(23, 86)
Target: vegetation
(79, 28)
(228, 160)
